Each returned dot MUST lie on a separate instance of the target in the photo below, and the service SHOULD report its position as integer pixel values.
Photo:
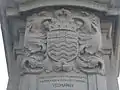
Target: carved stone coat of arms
(62, 41)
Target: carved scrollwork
(34, 46)
(89, 59)
(63, 42)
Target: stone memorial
(61, 44)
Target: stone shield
(62, 45)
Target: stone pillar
(61, 44)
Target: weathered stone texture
(61, 44)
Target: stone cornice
(86, 4)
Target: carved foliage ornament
(62, 42)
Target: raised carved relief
(61, 41)
(89, 58)
(34, 46)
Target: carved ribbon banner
(63, 42)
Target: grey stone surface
(61, 44)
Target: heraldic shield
(62, 45)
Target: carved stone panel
(69, 42)
(61, 48)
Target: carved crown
(62, 20)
